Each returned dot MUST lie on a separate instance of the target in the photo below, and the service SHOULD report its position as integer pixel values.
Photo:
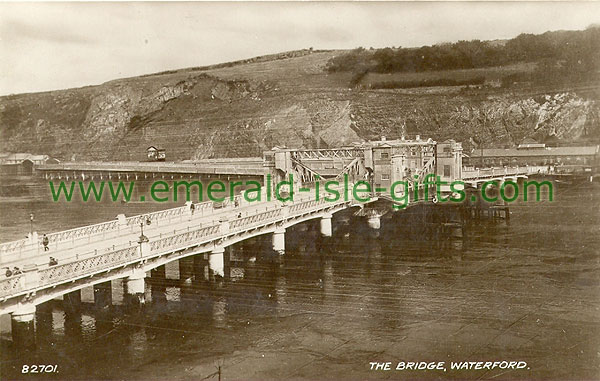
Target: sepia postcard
(299, 190)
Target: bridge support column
(326, 229)
(279, 241)
(186, 268)
(103, 295)
(72, 302)
(374, 221)
(199, 266)
(216, 263)
(23, 326)
(157, 286)
(135, 288)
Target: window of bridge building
(385, 176)
(447, 149)
(446, 170)
(385, 155)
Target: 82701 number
(39, 369)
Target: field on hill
(488, 75)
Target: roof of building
(399, 142)
(17, 158)
(531, 145)
(547, 151)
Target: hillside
(240, 109)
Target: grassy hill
(242, 108)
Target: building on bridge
(22, 163)
(397, 160)
(382, 162)
(156, 154)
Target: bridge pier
(279, 241)
(103, 295)
(23, 326)
(186, 268)
(216, 263)
(199, 264)
(157, 286)
(72, 302)
(374, 221)
(326, 227)
(43, 319)
(135, 288)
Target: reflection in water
(417, 290)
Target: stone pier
(199, 265)
(374, 221)
(103, 295)
(157, 284)
(72, 302)
(186, 268)
(135, 287)
(279, 241)
(23, 326)
(326, 226)
(216, 263)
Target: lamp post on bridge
(135, 285)
(30, 225)
(143, 239)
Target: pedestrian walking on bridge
(45, 242)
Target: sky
(48, 46)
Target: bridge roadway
(84, 242)
(96, 254)
(475, 176)
(88, 241)
(135, 170)
(114, 249)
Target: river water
(520, 290)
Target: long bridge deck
(97, 253)
(244, 166)
(130, 247)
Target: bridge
(129, 170)
(130, 248)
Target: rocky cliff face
(491, 120)
(242, 111)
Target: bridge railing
(97, 260)
(482, 173)
(179, 239)
(80, 265)
(12, 285)
(84, 266)
(250, 167)
(255, 219)
(13, 250)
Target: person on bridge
(8, 272)
(53, 262)
(45, 242)
(192, 208)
